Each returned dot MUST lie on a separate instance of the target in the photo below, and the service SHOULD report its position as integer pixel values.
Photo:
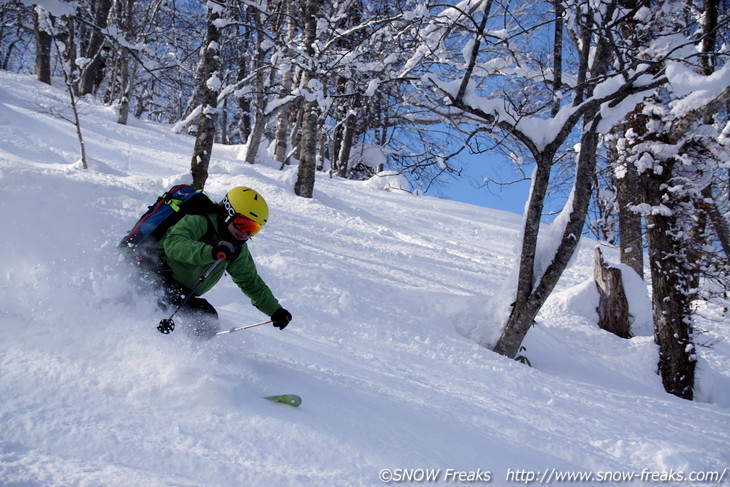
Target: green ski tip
(289, 399)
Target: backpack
(169, 208)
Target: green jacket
(188, 258)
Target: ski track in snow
(378, 282)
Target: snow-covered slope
(383, 287)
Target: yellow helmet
(247, 202)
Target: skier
(192, 245)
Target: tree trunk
(41, 21)
(126, 72)
(283, 122)
(523, 311)
(557, 56)
(93, 73)
(256, 134)
(670, 297)
(613, 306)
(208, 72)
(348, 136)
(629, 221)
(671, 273)
(708, 62)
(718, 221)
(534, 290)
(261, 117)
(68, 40)
(304, 185)
(127, 79)
(283, 126)
(255, 137)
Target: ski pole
(232, 330)
(167, 325)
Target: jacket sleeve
(243, 272)
(181, 241)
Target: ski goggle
(245, 224)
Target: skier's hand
(281, 318)
(223, 250)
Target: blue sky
(508, 197)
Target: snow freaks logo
(548, 476)
(400, 475)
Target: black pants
(197, 316)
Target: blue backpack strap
(165, 212)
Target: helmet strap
(228, 208)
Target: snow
(382, 286)
(372, 87)
(698, 90)
(57, 8)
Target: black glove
(223, 250)
(281, 318)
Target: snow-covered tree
(16, 36)
(310, 85)
(208, 80)
(94, 62)
(43, 33)
(675, 145)
(484, 65)
(496, 77)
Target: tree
(15, 35)
(304, 185)
(42, 30)
(628, 198)
(505, 90)
(208, 79)
(124, 14)
(673, 151)
(481, 59)
(70, 76)
(260, 87)
(287, 73)
(92, 72)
